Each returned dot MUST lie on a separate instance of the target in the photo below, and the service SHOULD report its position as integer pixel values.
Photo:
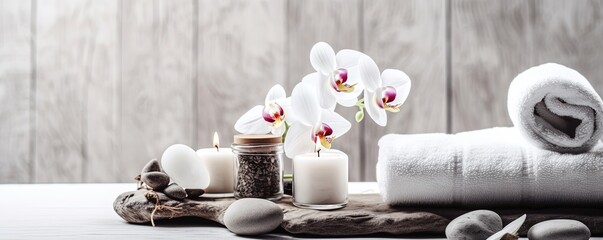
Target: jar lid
(257, 139)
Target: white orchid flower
(382, 92)
(269, 117)
(314, 125)
(336, 78)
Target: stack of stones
(153, 177)
(481, 224)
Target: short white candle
(321, 179)
(219, 164)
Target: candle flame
(216, 140)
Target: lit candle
(219, 164)
(320, 180)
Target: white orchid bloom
(314, 125)
(383, 92)
(269, 117)
(336, 78)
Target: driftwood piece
(365, 214)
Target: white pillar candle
(320, 180)
(219, 164)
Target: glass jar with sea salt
(258, 166)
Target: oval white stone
(185, 167)
(252, 216)
(559, 229)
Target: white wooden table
(85, 211)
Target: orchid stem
(286, 131)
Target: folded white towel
(556, 108)
(485, 168)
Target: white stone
(185, 167)
(559, 229)
(252, 216)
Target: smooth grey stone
(475, 225)
(194, 193)
(152, 166)
(175, 192)
(155, 180)
(252, 216)
(559, 229)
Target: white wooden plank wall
(91, 90)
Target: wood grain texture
(570, 33)
(89, 214)
(409, 36)
(101, 104)
(241, 55)
(157, 92)
(335, 22)
(490, 45)
(74, 52)
(15, 94)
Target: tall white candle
(219, 164)
(320, 180)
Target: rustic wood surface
(573, 38)
(92, 90)
(85, 211)
(75, 90)
(365, 214)
(334, 22)
(410, 36)
(490, 45)
(157, 81)
(241, 55)
(16, 96)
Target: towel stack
(552, 157)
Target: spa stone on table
(175, 192)
(152, 166)
(252, 216)
(475, 225)
(155, 180)
(559, 229)
(194, 193)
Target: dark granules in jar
(258, 176)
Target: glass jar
(258, 166)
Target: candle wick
(318, 152)
(217, 148)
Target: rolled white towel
(490, 167)
(556, 108)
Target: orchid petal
(252, 122)
(305, 105)
(312, 78)
(320, 82)
(279, 130)
(400, 81)
(354, 77)
(322, 58)
(326, 97)
(369, 73)
(276, 92)
(347, 58)
(347, 102)
(298, 140)
(511, 228)
(338, 124)
(375, 112)
(285, 103)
